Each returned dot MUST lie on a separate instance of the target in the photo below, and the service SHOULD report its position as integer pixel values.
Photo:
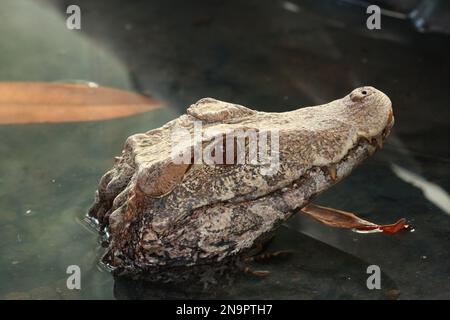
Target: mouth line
(376, 141)
(363, 145)
(333, 173)
(318, 179)
(369, 145)
(330, 175)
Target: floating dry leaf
(38, 102)
(343, 219)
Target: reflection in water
(49, 174)
(39, 47)
(431, 191)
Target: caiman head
(150, 199)
(319, 136)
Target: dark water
(49, 174)
(255, 53)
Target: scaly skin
(163, 216)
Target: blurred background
(69, 98)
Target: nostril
(360, 94)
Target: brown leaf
(343, 219)
(39, 102)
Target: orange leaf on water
(343, 219)
(40, 102)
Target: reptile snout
(360, 93)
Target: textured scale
(161, 215)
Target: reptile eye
(364, 92)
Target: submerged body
(162, 215)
